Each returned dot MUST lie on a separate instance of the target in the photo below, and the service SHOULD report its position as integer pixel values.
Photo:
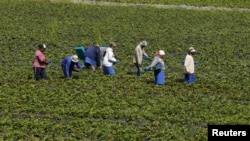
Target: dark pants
(39, 73)
(138, 69)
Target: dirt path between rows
(204, 8)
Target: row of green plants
(215, 3)
(96, 107)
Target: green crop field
(216, 3)
(92, 106)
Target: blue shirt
(94, 53)
(68, 65)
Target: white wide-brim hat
(74, 58)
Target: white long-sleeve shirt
(109, 58)
(139, 53)
(189, 64)
(102, 49)
(157, 60)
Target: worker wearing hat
(139, 53)
(189, 76)
(159, 67)
(40, 62)
(109, 59)
(70, 63)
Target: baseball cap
(191, 49)
(112, 44)
(42, 46)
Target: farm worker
(138, 56)
(68, 64)
(109, 60)
(92, 57)
(189, 76)
(103, 50)
(40, 62)
(158, 66)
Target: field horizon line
(163, 6)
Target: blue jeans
(108, 70)
(189, 78)
(39, 73)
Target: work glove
(116, 63)
(146, 58)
